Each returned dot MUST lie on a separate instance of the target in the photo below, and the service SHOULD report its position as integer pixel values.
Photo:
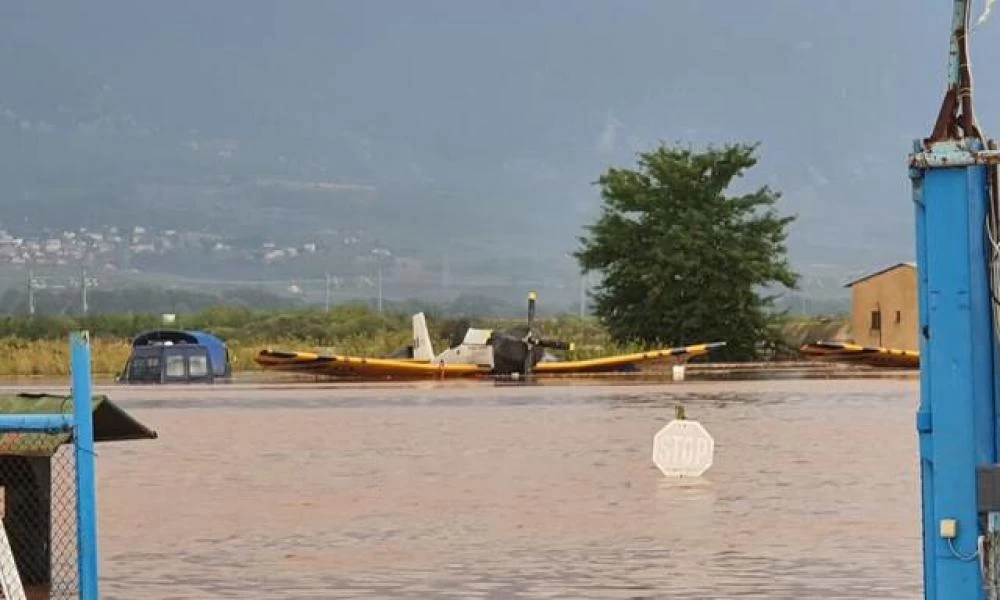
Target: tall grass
(21, 357)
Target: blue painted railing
(36, 423)
(82, 424)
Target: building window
(899, 317)
(876, 320)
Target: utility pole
(83, 290)
(31, 292)
(380, 287)
(381, 256)
(583, 287)
(327, 292)
(802, 298)
(953, 174)
(445, 271)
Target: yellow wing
(873, 355)
(336, 365)
(613, 363)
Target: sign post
(683, 449)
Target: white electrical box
(949, 528)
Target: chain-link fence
(38, 545)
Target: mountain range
(462, 132)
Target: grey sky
(507, 112)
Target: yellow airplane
(482, 352)
(855, 353)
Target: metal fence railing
(48, 537)
(38, 508)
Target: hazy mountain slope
(466, 128)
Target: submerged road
(482, 490)
(290, 394)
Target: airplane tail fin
(422, 349)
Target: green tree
(683, 262)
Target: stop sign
(683, 449)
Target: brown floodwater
(486, 491)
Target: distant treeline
(238, 323)
(158, 300)
(144, 299)
(310, 326)
(346, 327)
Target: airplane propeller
(532, 341)
(518, 349)
(528, 337)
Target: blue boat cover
(216, 349)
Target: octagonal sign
(683, 449)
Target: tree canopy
(680, 260)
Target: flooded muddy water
(479, 491)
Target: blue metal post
(85, 473)
(956, 416)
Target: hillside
(462, 139)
